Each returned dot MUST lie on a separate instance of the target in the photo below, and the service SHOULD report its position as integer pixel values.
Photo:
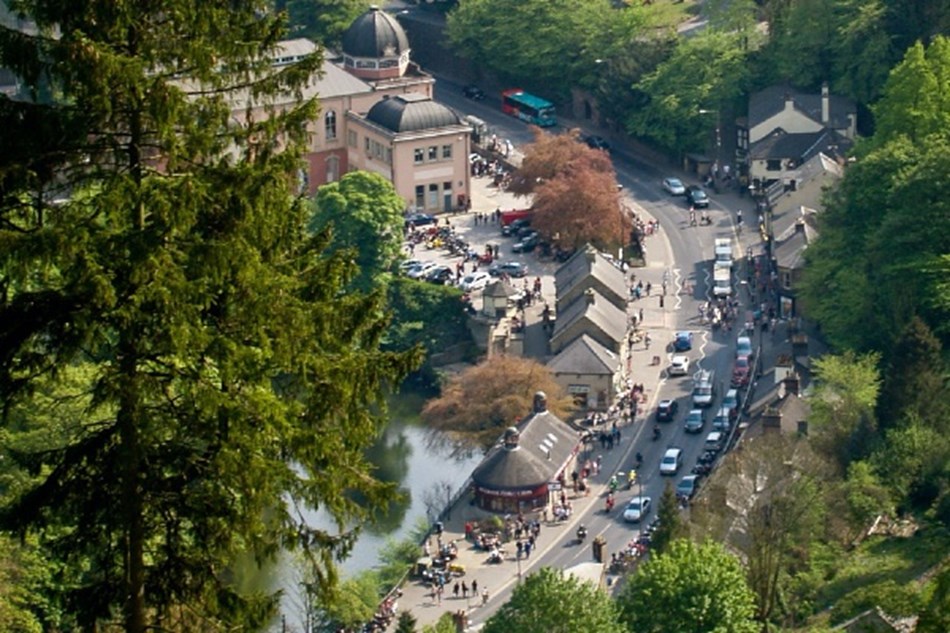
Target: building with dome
(528, 467)
(377, 114)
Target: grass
(880, 558)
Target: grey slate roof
(766, 103)
(790, 245)
(779, 144)
(585, 356)
(375, 34)
(336, 82)
(546, 443)
(600, 313)
(412, 112)
(588, 261)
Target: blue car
(683, 342)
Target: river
(425, 472)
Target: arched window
(329, 123)
(333, 169)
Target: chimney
(589, 295)
(772, 420)
(540, 402)
(825, 105)
(591, 256)
(792, 384)
(789, 102)
(800, 226)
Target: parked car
(527, 243)
(666, 410)
(515, 226)
(420, 270)
(696, 197)
(440, 275)
(741, 372)
(409, 263)
(679, 366)
(597, 142)
(512, 269)
(695, 421)
(420, 219)
(474, 281)
(731, 402)
(674, 186)
(473, 92)
(723, 420)
(683, 342)
(686, 488)
(714, 441)
(637, 509)
(744, 346)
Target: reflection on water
(425, 469)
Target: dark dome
(411, 112)
(375, 34)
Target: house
(588, 371)
(876, 621)
(585, 270)
(595, 316)
(786, 128)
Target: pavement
(499, 579)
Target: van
(672, 460)
(723, 420)
(704, 388)
(714, 441)
(723, 251)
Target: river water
(426, 470)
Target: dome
(411, 112)
(375, 34)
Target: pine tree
(406, 623)
(671, 525)
(229, 378)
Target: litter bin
(600, 544)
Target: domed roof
(411, 112)
(375, 34)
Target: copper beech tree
(576, 197)
(477, 404)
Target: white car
(637, 509)
(674, 186)
(672, 460)
(419, 271)
(474, 281)
(679, 366)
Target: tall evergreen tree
(915, 383)
(230, 380)
(671, 525)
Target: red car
(741, 372)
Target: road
(691, 253)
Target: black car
(597, 142)
(527, 243)
(440, 275)
(420, 219)
(515, 226)
(696, 197)
(473, 92)
(666, 410)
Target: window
(351, 139)
(433, 153)
(366, 145)
(773, 165)
(787, 280)
(419, 156)
(433, 201)
(420, 196)
(389, 156)
(333, 169)
(446, 152)
(329, 124)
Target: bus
(527, 107)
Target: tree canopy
(225, 375)
(551, 601)
(481, 401)
(689, 588)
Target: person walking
(464, 589)
(474, 587)
(455, 589)
(484, 597)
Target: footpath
(422, 599)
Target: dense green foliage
(365, 216)
(550, 601)
(223, 376)
(323, 21)
(671, 525)
(689, 588)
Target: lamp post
(718, 135)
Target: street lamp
(718, 135)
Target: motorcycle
(639, 460)
(609, 504)
(581, 534)
(656, 433)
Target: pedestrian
(485, 596)
(474, 587)
(455, 589)
(527, 549)
(640, 320)
(438, 594)
(648, 287)
(464, 589)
